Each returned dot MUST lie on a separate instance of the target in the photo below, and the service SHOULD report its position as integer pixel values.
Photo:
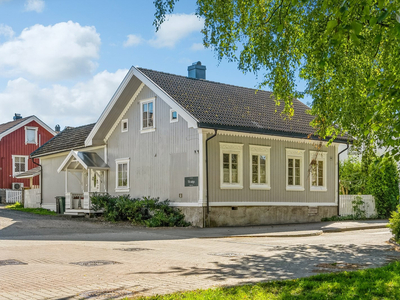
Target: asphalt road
(45, 257)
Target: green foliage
(144, 211)
(359, 213)
(394, 224)
(38, 211)
(383, 184)
(351, 181)
(379, 179)
(370, 284)
(346, 51)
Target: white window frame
(147, 129)
(260, 150)
(320, 156)
(231, 148)
(13, 164)
(122, 189)
(26, 135)
(171, 120)
(124, 121)
(295, 154)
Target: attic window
(173, 116)
(147, 110)
(124, 125)
(31, 135)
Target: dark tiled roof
(68, 139)
(218, 105)
(5, 126)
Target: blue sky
(63, 60)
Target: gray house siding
(54, 182)
(278, 192)
(159, 160)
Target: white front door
(95, 182)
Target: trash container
(60, 204)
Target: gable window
(20, 164)
(231, 168)
(173, 116)
(147, 115)
(31, 135)
(260, 167)
(294, 170)
(122, 178)
(318, 171)
(124, 125)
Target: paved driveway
(45, 257)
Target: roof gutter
(41, 180)
(269, 132)
(338, 183)
(207, 184)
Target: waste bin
(60, 204)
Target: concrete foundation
(257, 215)
(194, 215)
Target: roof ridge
(206, 80)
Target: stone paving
(69, 264)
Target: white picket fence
(346, 205)
(32, 198)
(13, 196)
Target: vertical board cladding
(54, 182)
(14, 144)
(278, 192)
(159, 160)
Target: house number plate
(192, 181)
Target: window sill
(260, 187)
(122, 190)
(231, 187)
(318, 189)
(295, 188)
(147, 130)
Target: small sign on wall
(191, 181)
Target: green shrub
(394, 224)
(383, 184)
(144, 211)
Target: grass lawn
(379, 283)
(38, 211)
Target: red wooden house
(18, 139)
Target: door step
(75, 214)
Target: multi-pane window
(31, 135)
(147, 115)
(259, 167)
(20, 164)
(122, 184)
(231, 166)
(318, 171)
(295, 169)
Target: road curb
(292, 234)
(329, 230)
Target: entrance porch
(85, 175)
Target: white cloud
(133, 40)
(197, 47)
(34, 5)
(62, 51)
(175, 28)
(58, 104)
(6, 31)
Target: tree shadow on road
(288, 262)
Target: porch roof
(83, 160)
(30, 173)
